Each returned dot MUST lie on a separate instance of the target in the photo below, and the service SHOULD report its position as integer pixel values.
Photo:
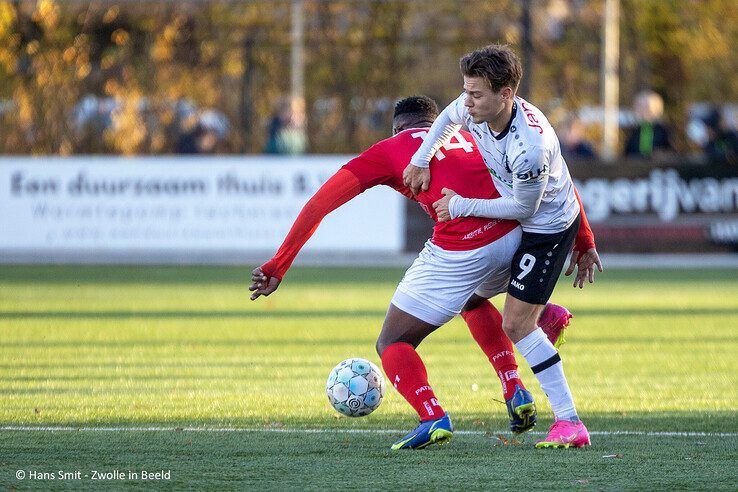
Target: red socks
(485, 325)
(407, 373)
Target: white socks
(544, 360)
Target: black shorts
(538, 262)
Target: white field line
(21, 428)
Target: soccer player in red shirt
(473, 250)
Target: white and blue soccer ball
(355, 387)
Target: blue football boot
(437, 431)
(522, 411)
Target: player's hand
(261, 285)
(441, 206)
(585, 264)
(416, 178)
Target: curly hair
(422, 106)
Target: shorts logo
(517, 284)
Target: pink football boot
(553, 320)
(566, 434)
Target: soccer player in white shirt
(523, 156)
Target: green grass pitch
(152, 353)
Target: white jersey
(527, 151)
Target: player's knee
(474, 302)
(512, 327)
(380, 346)
(385, 341)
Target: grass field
(144, 359)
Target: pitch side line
(21, 428)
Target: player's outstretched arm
(584, 255)
(339, 189)
(416, 175)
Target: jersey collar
(504, 132)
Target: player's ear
(507, 93)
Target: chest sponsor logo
(504, 181)
(479, 230)
(532, 175)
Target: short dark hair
(421, 106)
(497, 64)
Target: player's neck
(500, 122)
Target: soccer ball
(355, 387)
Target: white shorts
(439, 282)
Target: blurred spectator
(287, 128)
(650, 137)
(200, 140)
(176, 125)
(722, 141)
(573, 142)
(205, 135)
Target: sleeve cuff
(454, 206)
(420, 164)
(584, 245)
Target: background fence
(210, 208)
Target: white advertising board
(182, 204)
